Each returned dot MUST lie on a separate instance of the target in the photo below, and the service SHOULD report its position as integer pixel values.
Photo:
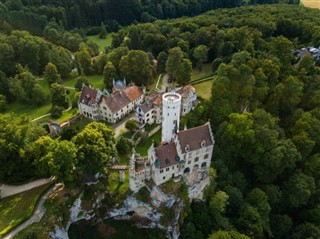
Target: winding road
(37, 214)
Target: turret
(171, 104)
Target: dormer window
(187, 148)
(203, 144)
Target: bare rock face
(131, 204)
(158, 197)
(197, 181)
(76, 214)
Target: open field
(95, 80)
(205, 72)
(18, 208)
(204, 89)
(311, 3)
(102, 43)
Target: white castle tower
(171, 104)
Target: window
(164, 178)
(168, 114)
(189, 162)
(161, 170)
(105, 108)
(196, 159)
(167, 169)
(206, 156)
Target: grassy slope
(18, 208)
(102, 43)
(203, 89)
(143, 147)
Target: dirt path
(36, 217)
(8, 190)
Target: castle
(180, 152)
(150, 111)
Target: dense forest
(34, 15)
(264, 109)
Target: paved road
(8, 190)
(120, 128)
(36, 217)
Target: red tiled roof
(133, 92)
(194, 137)
(167, 155)
(116, 101)
(184, 91)
(88, 95)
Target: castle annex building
(180, 152)
(98, 105)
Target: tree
(51, 74)
(161, 65)
(217, 207)
(103, 31)
(58, 158)
(59, 96)
(227, 235)
(17, 135)
(184, 73)
(174, 62)
(200, 54)
(56, 111)
(81, 80)
(3, 103)
(123, 145)
(131, 125)
(298, 190)
(61, 58)
(109, 74)
(250, 222)
(25, 88)
(83, 59)
(136, 67)
(96, 148)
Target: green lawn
(204, 89)
(18, 208)
(206, 71)
(95, 80)
(102, 43)
(144, 145)
(117, 188)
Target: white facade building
(150, 111)
(179, 153)
(113, 107)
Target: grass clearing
(115, 187)
(18, 208)
(102, 43)
(311, 3)
(204, 89)
(95, 80)
(205, 72)
(144, 145)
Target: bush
(56, 112)
(123, 145)
(131, 125)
